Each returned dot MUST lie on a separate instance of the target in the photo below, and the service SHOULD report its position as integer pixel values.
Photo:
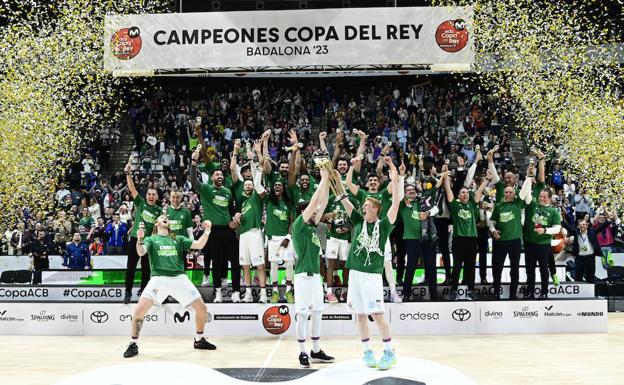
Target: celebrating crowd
(462, 191)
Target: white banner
(327, 37)
(425, 318)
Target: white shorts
(337, 249)
(251, 248)
(277, 253)
(365, 294)
(179, 287)
(388, 251)
(308, 293)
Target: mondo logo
(126, 43)
(276, 319)
(452, 35)
(461, 315)
(99, 316)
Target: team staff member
(217, 202)
(585, 249)
(145, 211)
(541, 223)
(465, 212)
(308, 285)
(366, 264)
(506, 228)
(167, 254)
(416, 246)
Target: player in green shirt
(166, 255)
(180, 218)
(506, 228)
(251, 239)
(384, 195)
(308, 281)
(366, 263)
(541, 222)
(465, 213)
(145, 211)
(218, 205)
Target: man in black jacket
(585, 249)
(39, 248)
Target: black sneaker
(204, 345)
(304, 360)
(132, 350)
(529, 296)
(470, 296)
(543, 296)
(452, 296)
(127, 297)
(320, 357)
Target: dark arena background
(304, 192)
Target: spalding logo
(126, 43)
(276, 319)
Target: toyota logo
(461, 315)
(99, 316)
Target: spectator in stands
(87, 223)
(604, 223)
(582, 204)
(97, 246)
(62, 193)
(62, 229)
(116, 232)
(77, 256)
(20, 240)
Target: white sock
(316, 344)
(388, 344)
(366, 344)
(135, 340)
(302, 347)
(199, 336)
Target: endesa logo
(126, 43)
(276, 319)
(452, 35)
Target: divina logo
(418, 316)
(177, 317)
(494, 314)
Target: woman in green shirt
(465, 213)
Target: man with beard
(39, 248)
(146, 212)
(217, 203)
(251, 242)
(167, 262)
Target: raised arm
(129, 181)
(337, 148)
(349, 178)
(256, 174)
(472, 170)
(266, 166)
(199, 243)
(313, 206)
(491, 166)
(397, 193)
(526, 189)
(195, 182)
(322, 144)
(447, 186)
(361, 147)
(292, 162)
(234, 161)
(541, 166)
(479, 193)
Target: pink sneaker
(331, 298)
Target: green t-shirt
(87, 222)
(359, 258)
(340, 227)
(508, 218)
(383, 196)
(275, 176)
(179, 220)
(465, 217)
(544, 216)
(298, 195)
(216, 203)
(166, 255)
(411, 220)
(277, 217)
(146, 214)
(238, 193)
(500, 191)
(210, 167)
(537, 189)
(251, 213)
(307, 247)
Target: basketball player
(366, 263)
(167, 252)
(308, 285)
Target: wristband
(542, 158)
(126, 172)
(140, 243)
(340, 198)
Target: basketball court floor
(539, 359)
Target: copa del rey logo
(126, 43)
(452, 35)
